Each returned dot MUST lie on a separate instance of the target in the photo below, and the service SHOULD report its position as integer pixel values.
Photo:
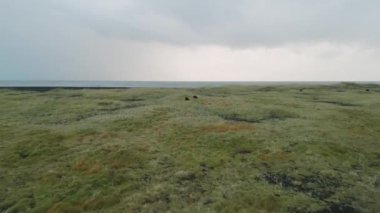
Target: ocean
(158, 84)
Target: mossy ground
(235, 148)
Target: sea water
(157, 84)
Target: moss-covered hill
(236, 148)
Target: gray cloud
(241, 22)
(222, 22)
(189, 40)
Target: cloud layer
(189, 40)
(224, 22)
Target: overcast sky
(190, 40)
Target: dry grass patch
(87, 166)
(227, 127)
(274, 156)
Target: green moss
(235, 148)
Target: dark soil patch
(115, 108)
(23, 153)
(236, 117)
(279, 179)
(132, 99)
(331, 208)
(277, 115)
(186, 176)
(338, 208)
(4, 207)
(105, 103)
(161, 197)
(75, 95)
(242, 152)
(271, 116)
(377, 183)
(189, 185)
(205, 168)
(317, 185)
(339, 103)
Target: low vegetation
(293, 148)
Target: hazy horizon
(166, 84)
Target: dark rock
(187, 98)
(195, 97)
(367, 90)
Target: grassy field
(235, 148)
